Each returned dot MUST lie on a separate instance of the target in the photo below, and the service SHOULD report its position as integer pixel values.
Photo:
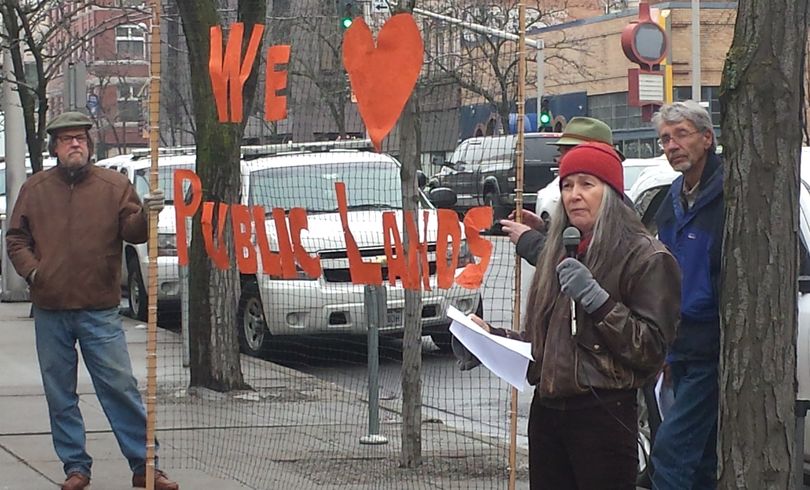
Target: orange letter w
(227, 74)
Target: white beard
(683, 166)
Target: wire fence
(308, 415)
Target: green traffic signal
(346, 22)
(545, 118)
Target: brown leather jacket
(621, 345)
(70, 231)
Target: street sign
(380, 7)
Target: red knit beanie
(597, 159)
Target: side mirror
(421, 179)
(443, 197)
(804, 284)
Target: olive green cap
(583, 129)
(70, 119)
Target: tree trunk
(412, 338)
(761, 97)
(213, 293)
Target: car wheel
(254, 338)
(136, 291)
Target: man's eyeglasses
(68, 138)
(663, 141)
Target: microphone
(571, 238)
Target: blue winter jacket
(695, 238)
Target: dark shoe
(162, 481)
(76, 481)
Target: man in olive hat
(65, 238)
(528, 236)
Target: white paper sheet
(506, 358)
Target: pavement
(263, 438)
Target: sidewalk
(27, 458)
(28, 461)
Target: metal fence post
(375, 301)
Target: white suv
(331, 303)
(135, 264)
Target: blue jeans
(101, 338)
(684, 454)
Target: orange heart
(383, 77)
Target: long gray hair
(616, 223)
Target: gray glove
(577, 282)
(154, 200)
(465, 359)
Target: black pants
(590, 448)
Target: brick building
(598, 88)
(110, 67)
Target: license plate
(393, 318)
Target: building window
(130, 42)
(614, 111)
(129, 105)
(710, 95)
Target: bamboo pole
(519, 160)
(151, 343)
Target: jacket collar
(711, 186)
(74, 176)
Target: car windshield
(165, 178)
(631, 175)
(369, 185)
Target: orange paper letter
(228, 74)
(183, 210)
(245, 251)
(309, 264)
(275, 106)
(362, 272)
(394, 253)
(475, 220)
(217, 252)
(271, 261)
(449, 228)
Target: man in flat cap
(65, 238)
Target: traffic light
(346, 13)
(544, 123)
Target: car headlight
(167, 245)
(464, 255)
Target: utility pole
(14, 286)
(696, 50)
(537, 44)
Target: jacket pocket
(596, 367)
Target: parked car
(549, 196)
(648, 194)
(331, 304)
(135, 264)
(482, 171)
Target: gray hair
(685, 110)
(616, 224)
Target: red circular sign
(644, 42)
